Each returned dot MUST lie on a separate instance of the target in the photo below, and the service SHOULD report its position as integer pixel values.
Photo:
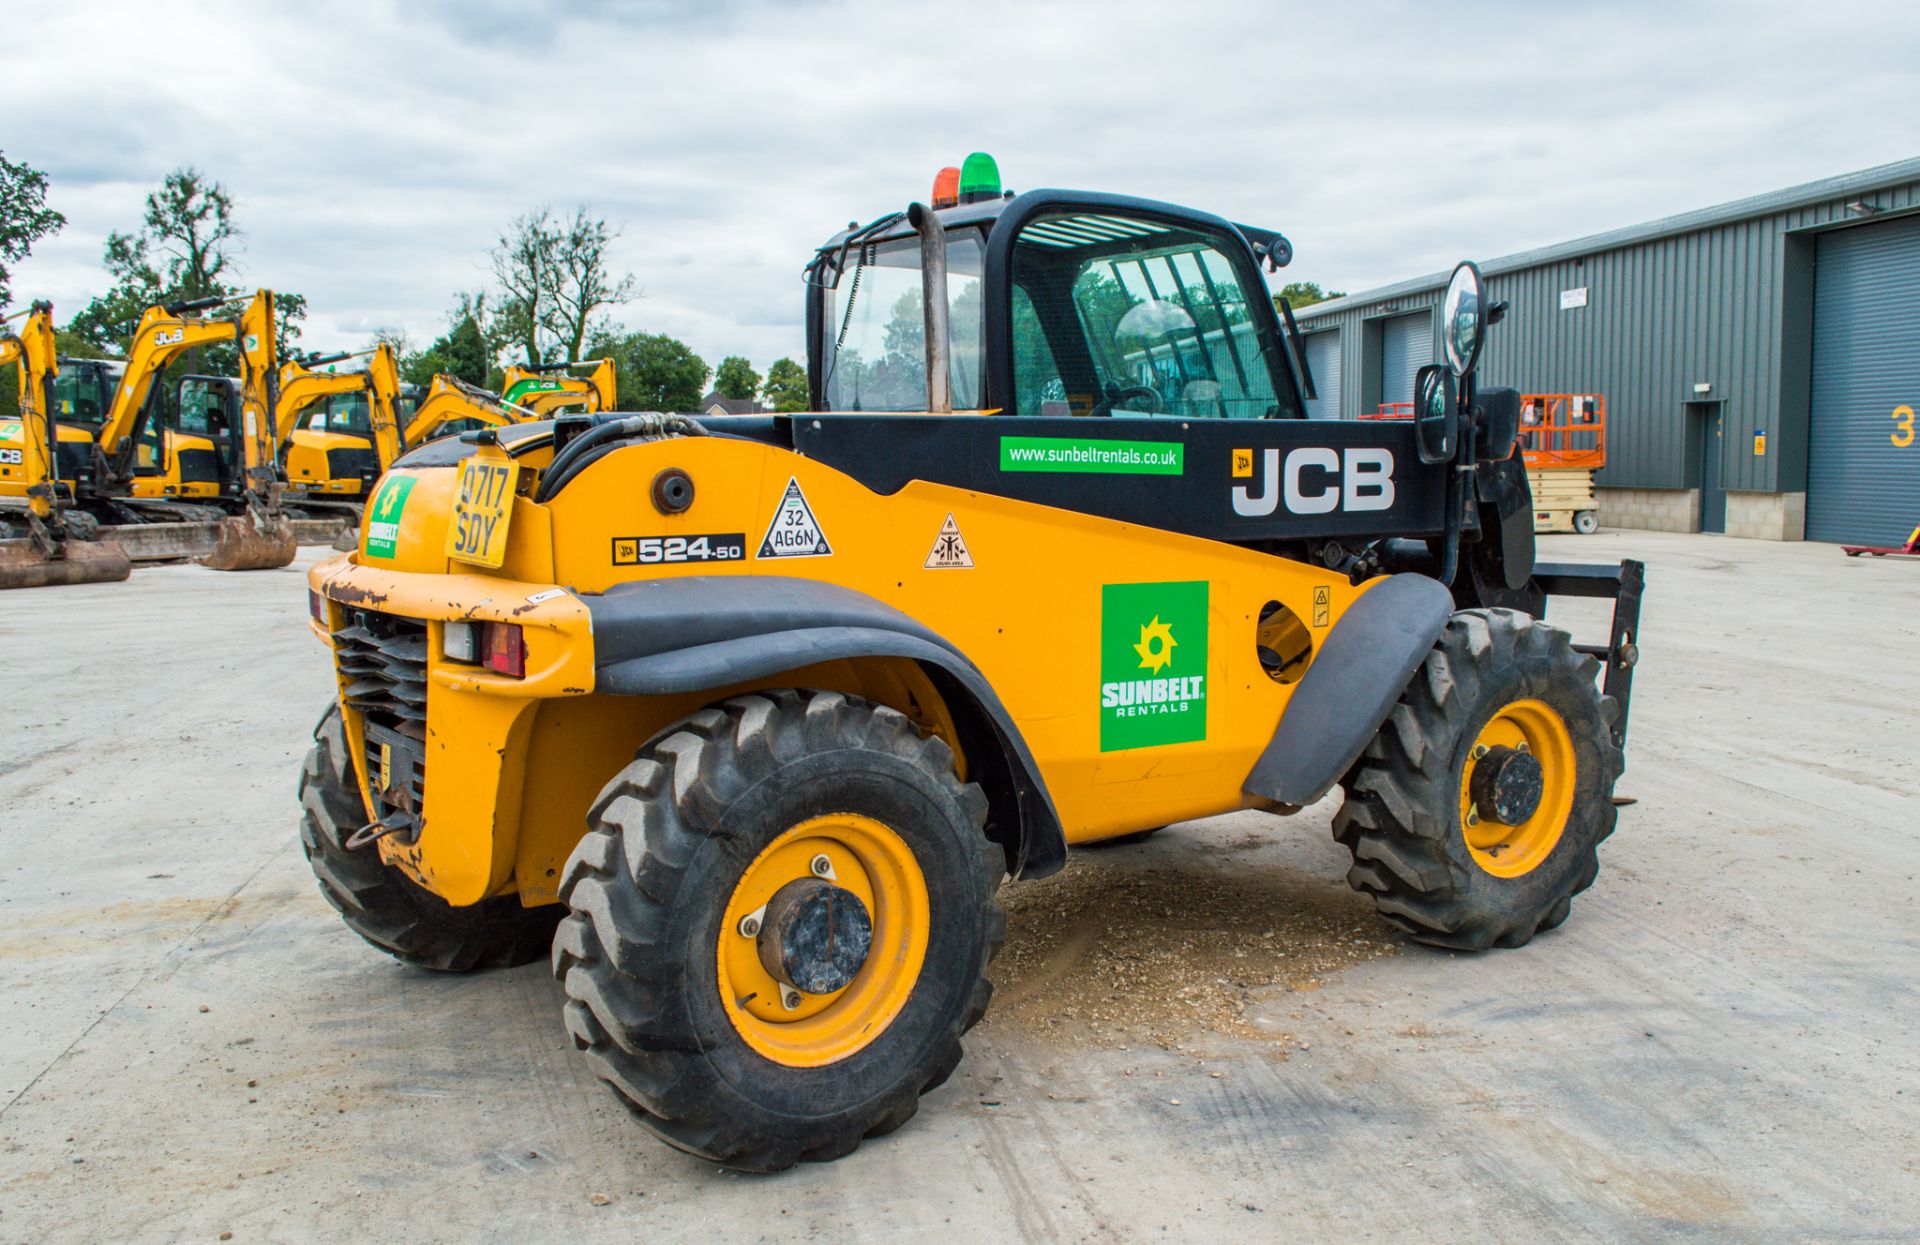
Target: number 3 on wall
(1902, 435)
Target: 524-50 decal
(649, 550)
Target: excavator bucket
(24, 564)
(251, 543)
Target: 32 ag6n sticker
(649, 550)
(794, 532)
(1153, 664)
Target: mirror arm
(1299, 351)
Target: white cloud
(377, 149)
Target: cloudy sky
(376, 149)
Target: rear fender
(696, 633)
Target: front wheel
(1586, 522)
(1474, 815)
(781, 919)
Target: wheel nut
(822, 867)
(790, 999)
(1473, 816)
(1479, 750)
(749, 925)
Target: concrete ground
(1720, 1043)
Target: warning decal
(949, 548)
(794, 533)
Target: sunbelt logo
(1153, 664)
(383, 516)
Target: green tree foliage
(185, 248)
(657, 372)
(735, 378)
(554, 276)
(25, 217)
(786, 387)
(1305, 294)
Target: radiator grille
(383, 660)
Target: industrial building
(1760, 360)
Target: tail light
(317, 606)
(503, 649)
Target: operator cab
(1058, 303)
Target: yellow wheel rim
(868, 859)
(1510, 851)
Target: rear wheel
(1474, 815)
(781, 919)
(385, 906)
(1586, 522)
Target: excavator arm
(165, 332)
(450, 398)
(538, 389)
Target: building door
(1406, 346)
(1713, 496)
(1323, 360)
(1863, 463)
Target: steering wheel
(1116, 394)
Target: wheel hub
(815, 936)
(1507, 785)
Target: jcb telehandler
(748, 717)
(543, 389)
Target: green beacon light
(979, 178)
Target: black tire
(382, 904)
(1402, 821)
(649, 885)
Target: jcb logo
(167, 337)
(1315, 480)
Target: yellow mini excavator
(55, 544)
(543, 389)
(332, 463)
(132, 470)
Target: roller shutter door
(1863, 468)
(1323, 360)
(1406, 346)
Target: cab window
(876, 356)
(1122, 316)
(203, 408)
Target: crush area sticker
(1153, 664)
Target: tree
(25, 217)
(1305, 294)
(786, 387)
(736, 378)
(657, 372)
(554, 277)
(184, 249)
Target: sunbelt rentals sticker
(1153, 664)
(383, 516)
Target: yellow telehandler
(744, 719)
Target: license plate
(482, 508)
(386, 766)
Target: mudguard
(1364, 666)
(663, 636)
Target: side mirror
(1465, 313)
(1436, 414)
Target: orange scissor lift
(1563, 437)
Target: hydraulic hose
(590, 446)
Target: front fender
(691, 633)
(1364, 666)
